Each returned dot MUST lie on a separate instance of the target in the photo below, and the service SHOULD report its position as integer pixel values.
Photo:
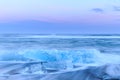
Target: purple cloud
(98, 10)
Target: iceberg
(11, 56)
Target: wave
(59, 36)
(36, 64)
(104, 72)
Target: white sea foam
(62, 36)
(58, 36)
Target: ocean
(59, 57)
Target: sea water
(59, 57)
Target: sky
(60, 16)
